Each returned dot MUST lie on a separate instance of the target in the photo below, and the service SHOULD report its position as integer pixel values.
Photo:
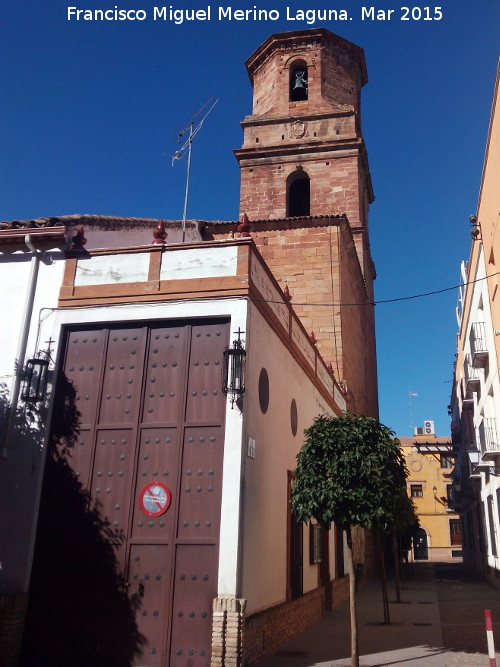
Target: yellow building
(430, 461)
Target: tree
(351, 472)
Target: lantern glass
(35, 380)
(473, 456)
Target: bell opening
(298, 196)
(299, 89)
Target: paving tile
(439, 623)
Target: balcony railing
(477, 340)
(488, 438)
(468, 401)
(472, 375)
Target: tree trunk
(383, 578)
(352, 601)
(324, 568)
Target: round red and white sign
(155, 499)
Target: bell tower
(306, 189)
(303, 151)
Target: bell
(299, 81)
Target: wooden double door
(145, 454)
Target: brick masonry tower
(306, 189)
(305, 131)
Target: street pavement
(438, 623)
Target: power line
(309, 305)
(376, 303)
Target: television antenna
(411, 394)
(192, 128)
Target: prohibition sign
(155, 499)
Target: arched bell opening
(298, 81)
(298, 199)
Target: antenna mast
(193, 130)
(411, 394)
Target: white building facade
(475, 409)
(475, 401)
(138, 479)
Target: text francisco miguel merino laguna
(218, 13)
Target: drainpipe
(23, 342)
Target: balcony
(472, 375)
(490, 447)
(479, 351)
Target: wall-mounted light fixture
(233, 372)
(35, 378)
(474, 454)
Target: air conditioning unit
(429, 427)
(418, 430)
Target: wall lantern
(474, 455)
(35, 379)
(233, 372)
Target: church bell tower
(303, 151)
(306, 189)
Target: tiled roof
(87, 219)
(277, 220)
(425, 440)
(80, 219)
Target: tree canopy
(350, 471)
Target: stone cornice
(264, 119)
(296, 150)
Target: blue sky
(88, 110)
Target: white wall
(264, 559)
(22, 457)
(14, 277)
(487, 400)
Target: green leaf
(351, 471)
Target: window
(295, 549)
(447, 461)
(298, 198)
(298, 81)
(417, 491)
(314, 544)
(455, 533)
